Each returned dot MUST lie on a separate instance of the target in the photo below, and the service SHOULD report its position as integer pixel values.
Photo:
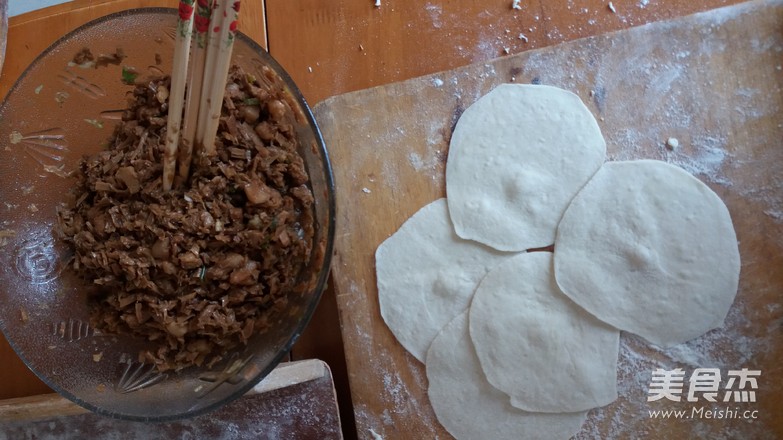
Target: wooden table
(335, 46)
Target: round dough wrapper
(470, 408)
(536, 345)
(649, 249)
(517, 157)
(427, 275)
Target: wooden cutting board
(296, 400)
(712, 80)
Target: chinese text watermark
(705, 383)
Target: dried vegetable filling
(196, 270)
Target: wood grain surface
(712, 80)
(335, 46)
(29, 34)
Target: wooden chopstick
(224, 21)
(177, 91)
(201, 22)
(208, 76)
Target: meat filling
(196, 270)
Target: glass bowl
(56, 113)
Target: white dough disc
(517, 157)
(536, 345)
(427, 275)
(472, 409)
(649, 249)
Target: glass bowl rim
(331, 215)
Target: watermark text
(703, 412)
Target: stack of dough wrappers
(513, 290)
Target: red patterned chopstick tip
(203, 16)
(202, 24)
(235, 22)
(186, 9)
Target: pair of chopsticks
(206, 29)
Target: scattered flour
(430, 165)
(238, 420)
(726, 348)
(670, 83)
(769, 195)
(705, 158)
(435, 12)
(776, 214)
(720, 16)
(416, 161)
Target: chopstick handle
(216, 74)
(201, 22)
(179, 73)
